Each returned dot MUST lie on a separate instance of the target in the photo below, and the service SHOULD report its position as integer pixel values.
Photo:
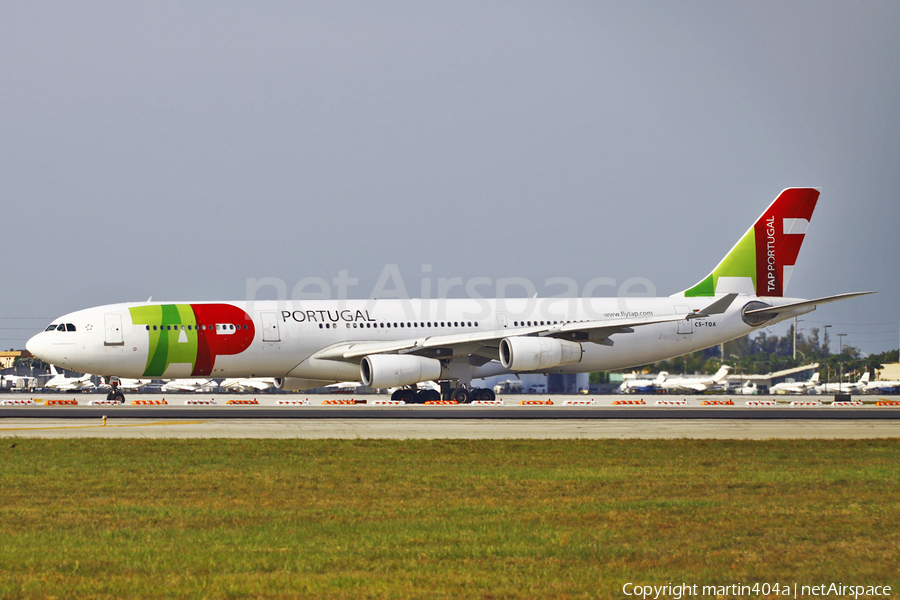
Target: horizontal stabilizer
(770, 312)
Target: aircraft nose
(37, 346)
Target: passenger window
(148, 328)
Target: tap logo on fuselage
(192, 334)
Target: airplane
(244, 384)
(643, 386)
(698, 384)
(386, 343)
(796, 387)
(186, 385)
(883, 387)
(748, 389)
(67, 384)
(857, 387)
(126, 383)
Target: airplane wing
(445, 346)
(486, 343)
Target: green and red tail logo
(762, 261)
(192, 334)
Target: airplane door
(685, 326)
(501, 321)
(113, 323)
(271, 332)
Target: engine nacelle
(295, 384)
(395, 370)
(537, 353)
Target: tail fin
(864, 378)
(815, 378)
(762, 261)
(53, 370)
(721, 374)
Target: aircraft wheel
(408, 396)
(396, 395)
(483, 394)
(110, 396)
(461, 395)
(119, 397)
(427, 396)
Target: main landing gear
(461, 395)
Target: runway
(365, 421)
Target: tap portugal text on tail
(396, 343)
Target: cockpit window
(61, 327)
(51, 328)
(70, 327)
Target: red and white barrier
(304, 402)
(624, 402)
(847, 404)
(671, 402)
(149, 402)
(104, 403)
(199, 401)
(888, 403)
(580, 402)
(433, 402)
(17, 402)
(351, 401)
(388, 402)
(242, 402)
(535, 402)
(717, 403)
(761, 403)
(806, 403)
(487, 402)
(71, 402)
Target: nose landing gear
(116, 394)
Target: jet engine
(537, 353)
(395, 370)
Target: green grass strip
(440, 519)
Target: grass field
(431, 519)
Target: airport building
(8, 358)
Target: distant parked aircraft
(796, 387)
(67, 384)
(883, 387)
(643, 385)
(845, 388)
(186, 385)
(698, 384)
(246, 384)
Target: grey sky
(178, 149)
